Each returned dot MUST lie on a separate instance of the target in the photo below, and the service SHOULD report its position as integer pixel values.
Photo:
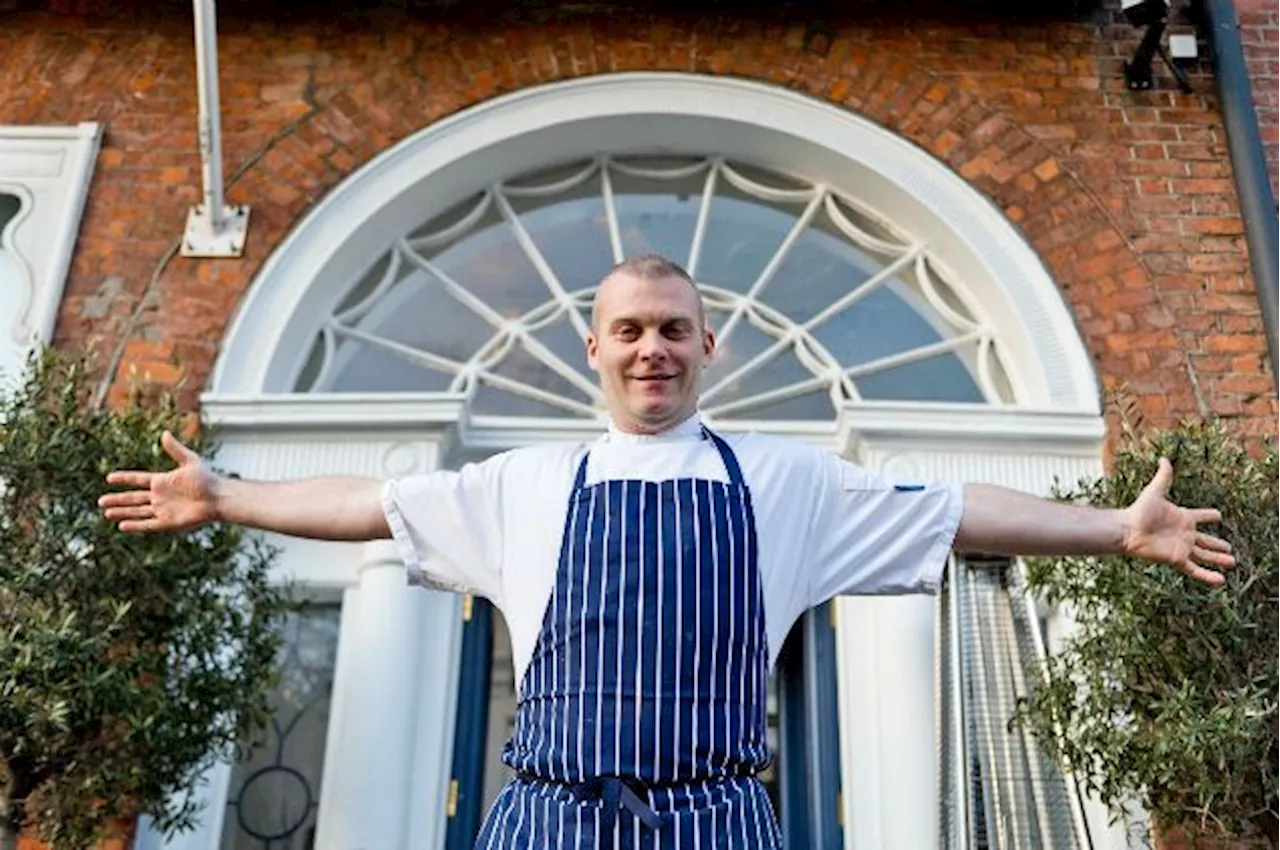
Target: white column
(369, 763)
(887, 740)
(440, 636)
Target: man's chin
(660, 416)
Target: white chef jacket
(824, 526)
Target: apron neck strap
(726, 455)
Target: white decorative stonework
(900, 466)
(403, 459)
(47, 170)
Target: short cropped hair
(653, 267)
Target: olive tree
(127, 662)
(1166, 692)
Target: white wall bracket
(213, 228)
(215, 236)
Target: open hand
(1158, 530)
(178, 500)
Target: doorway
(803, 782)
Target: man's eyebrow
(661, 320)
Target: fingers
(131, 478)
(1206, 515)
(125, 499)
(141, 525)
(1162, 479)
(139, 512)
(1208, 541)
(180, 453)
(1217, 559)
(1190, 569)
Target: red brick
(1126, 196)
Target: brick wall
(1127, 196)
(1260, 32)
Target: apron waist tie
(615, 793)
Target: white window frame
(49, 169)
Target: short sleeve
(448, 528)
(872, 536)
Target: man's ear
(593, 350)
(708, 344)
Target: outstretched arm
(1001, 521)
(192, 495)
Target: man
(649, 578)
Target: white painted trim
(87, 130)
(860, 427)
(90, 135)
(69, 190)
(1057, 430)
(274, 329)
(258, 414)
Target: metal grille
(999, 791)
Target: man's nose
(652, 345)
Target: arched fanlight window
(815, 299)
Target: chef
(648, 578)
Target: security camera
(1154, 15)
(1142, 13)
(1183, 49)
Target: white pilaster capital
(379, 555)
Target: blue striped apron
(641, 719)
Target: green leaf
(127, 662)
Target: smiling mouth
(653, 378)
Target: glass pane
(657, 216)
(274, 792)
(520, 365)
(13, 290)
(369, 282)
(943, 377)
(881, 324)
(490, 263)
(732, 352)
(562, 338)
(370, 369)
(9, 206)
(442, 221)
(1000, 377)
(810, 406)
(571, 232)
(947, 293)
(492, 401)
(742, 235)
(422, 314)
(821, 267)
(782, 369)
(869, 224)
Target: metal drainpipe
(1249, 165)
(213, 228)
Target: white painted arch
(647, 113)
(1053, 427)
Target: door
(803, 783)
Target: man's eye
(628, 334)
(677, 332)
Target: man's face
(649, 345)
